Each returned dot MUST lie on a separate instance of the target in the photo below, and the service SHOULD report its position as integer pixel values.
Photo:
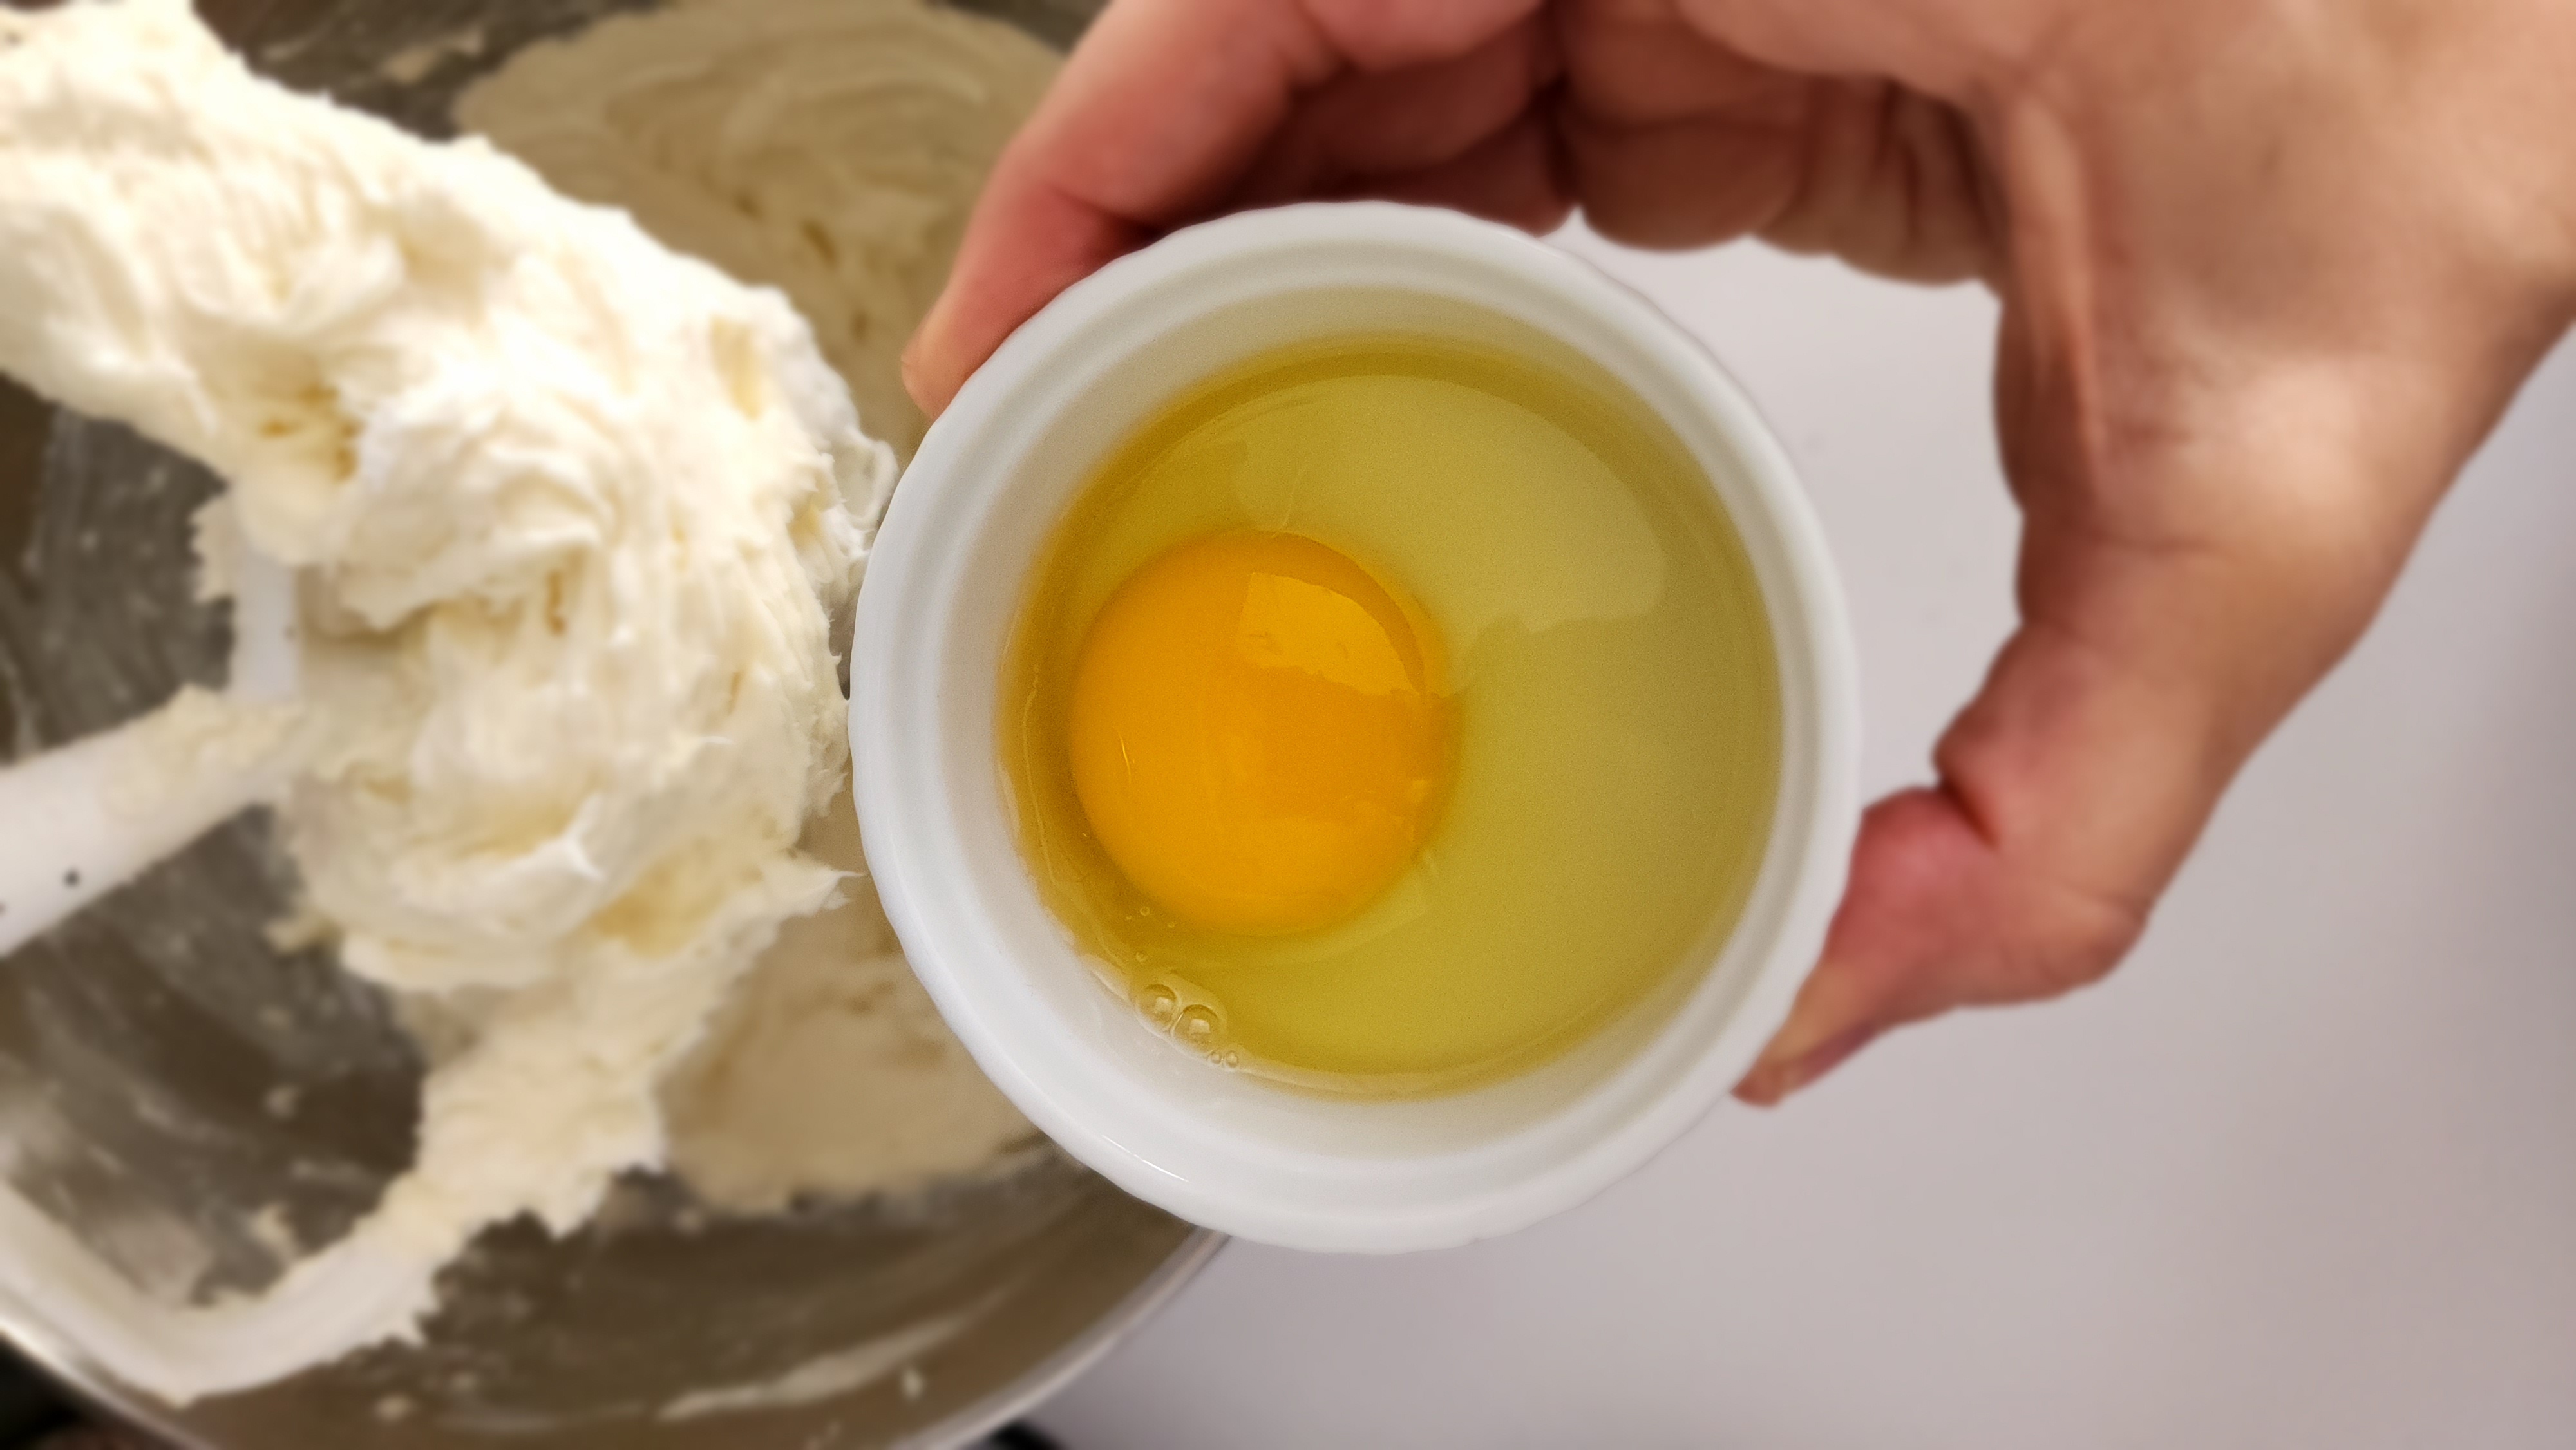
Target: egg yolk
(1260, 733)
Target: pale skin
(2270, 271)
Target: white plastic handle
(80, 821)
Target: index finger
(1163, 105)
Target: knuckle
(2068, 937)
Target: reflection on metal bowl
(192, 1102)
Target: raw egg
(1390, 714)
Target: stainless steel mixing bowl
(177, 1092)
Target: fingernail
(1767, 1086)
(912, 380)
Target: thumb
(2175, 604)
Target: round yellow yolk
(1260, 733)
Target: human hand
(2269, 273)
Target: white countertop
(2302, 1174)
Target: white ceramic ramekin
(991, 481)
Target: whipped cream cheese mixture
(572, 515)
(831, 149)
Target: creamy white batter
(572, 515)
(832, 149)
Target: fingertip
(1772, 1082)
(1911, 910)
(1833, 1019)
(1025, 244)
(930, 374)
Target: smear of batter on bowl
(829, 148)
(572, 515)
(830, 1074)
